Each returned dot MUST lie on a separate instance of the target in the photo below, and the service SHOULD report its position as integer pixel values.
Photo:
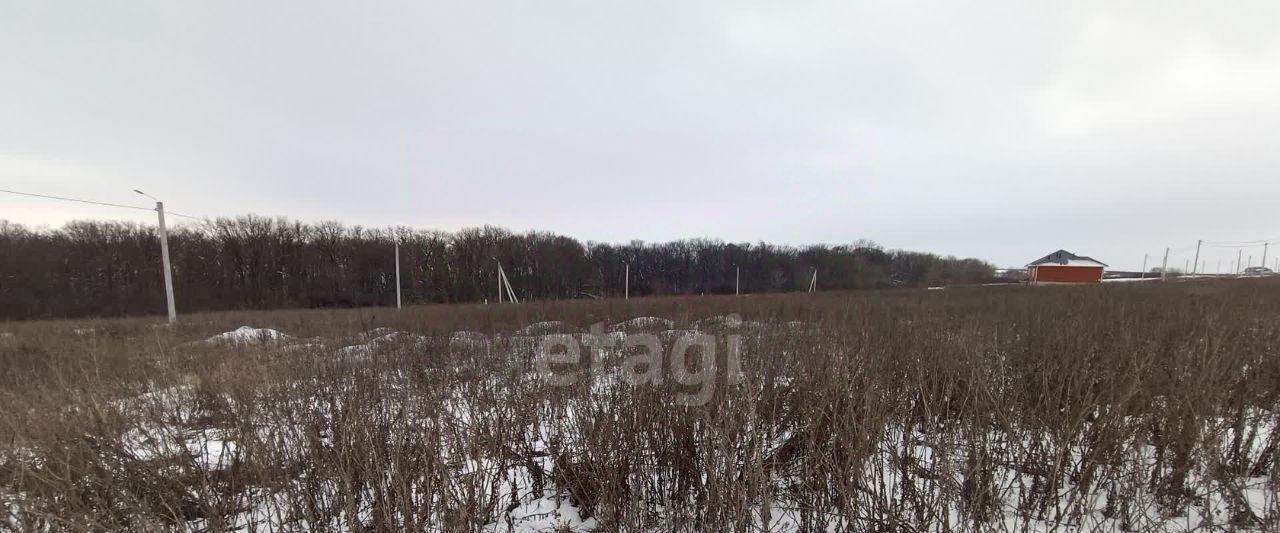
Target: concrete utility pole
(1164, 267)
(164, 258)
(1239, 256)
(737, 281)
(1144, 266)
(504, 282)
(1264, 255)
(626, 285)
(1197, 261)
(511, 293)
(398, 274)
(813, 283)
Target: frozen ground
(177, 426)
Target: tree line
(100, 268)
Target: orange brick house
(1065, 267)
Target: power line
(108, 204)
(1273, 239)
(177, 214)
(78, 200)
(1248, 245)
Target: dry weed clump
(1146, 407)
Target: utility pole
(1164, 268)
(626, 285)
(1197, 261)
(813, 283)
(504, 282)
(164, 258)
(511, 293)
(1264, 255)
(499, 280)
(1219, 269)
(1143, 274)
(737, 281)
(1239, 256)
(1186, 266)
(398, 306)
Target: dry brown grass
(999, 408)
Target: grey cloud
(1003, 130)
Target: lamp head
(147, 195)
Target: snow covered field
(898, 416)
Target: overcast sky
(999, 130)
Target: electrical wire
(107, 204)
(177, 214)
(78, 200)
(1241, 244)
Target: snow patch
(732, 321)
(468, 340)
(644, 323)
(387, 341)
(249, 336)
(541, 515)
(543, 328)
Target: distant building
(1065, 267)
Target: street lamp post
(164, 258)
(398, 305)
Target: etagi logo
(693, 360)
